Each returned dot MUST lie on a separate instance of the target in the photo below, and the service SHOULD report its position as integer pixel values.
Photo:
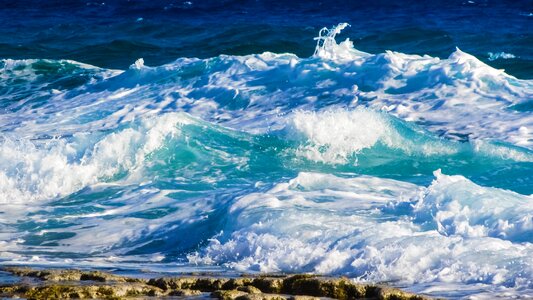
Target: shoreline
(50, 283)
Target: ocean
(385, 141)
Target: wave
(380, 230)
(46, 169)
(50, 167)
(256, 163)
(460, 97)
(338, 136)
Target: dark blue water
(113, 34)
(248, 136)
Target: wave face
(391, 167)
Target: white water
(220, 194)
(382, 230)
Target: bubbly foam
(337, 136)
(459, 97)
(334, 136)
(381, 230)
(459, 207)
(153, 164)
(39, 170)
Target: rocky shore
(78, 284)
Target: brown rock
(388, 293)
(261, 297)
(300, 297)
(185, 293)
(227, 294)
(234, 283)
(249, 289)
(269, 284)
(65, 284)
(173, 283)
(209, 284)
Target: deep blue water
(113, 34)
(249, 136)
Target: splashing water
(274, 163)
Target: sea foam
(189, 165)
(381, 230)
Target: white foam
(40, 170)
(500, 55)
(459, 207)
(328, 48)
(335, 135)
(381, 230)
(459, 97)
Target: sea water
(235, 155)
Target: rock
(64, 291)
(227, 294)
(300, 297)
(52, 274)
(209, 284)
(340, 288)
(69, 275)
(387, 293)
(316, 286)
(105, 277)
(68, 284)
(249, 289)
(269, 284)
(206, 284)
(173, 283)
(185, 293)
(13, 290)
(234, 283)
(261, 297)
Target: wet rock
(209, 284)
(341, 288)
(261, 297)
(52, 274)
(105, 277)
(173, 283)
(300, 297)
(69, 284)
(227, 294)
(206, 284)
(387, 293)
(6, 291)
(234, 283)
(69, 275)
(269, 284)
(249, 289)
(57, 291)
(185, 293)
(322, 287)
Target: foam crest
(39, 170)
(327, 47)
(457, 206)
(332, 225)
(339, 136)
(459, 96)
(336, 135)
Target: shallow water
(412, 166)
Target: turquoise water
(384, 166)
